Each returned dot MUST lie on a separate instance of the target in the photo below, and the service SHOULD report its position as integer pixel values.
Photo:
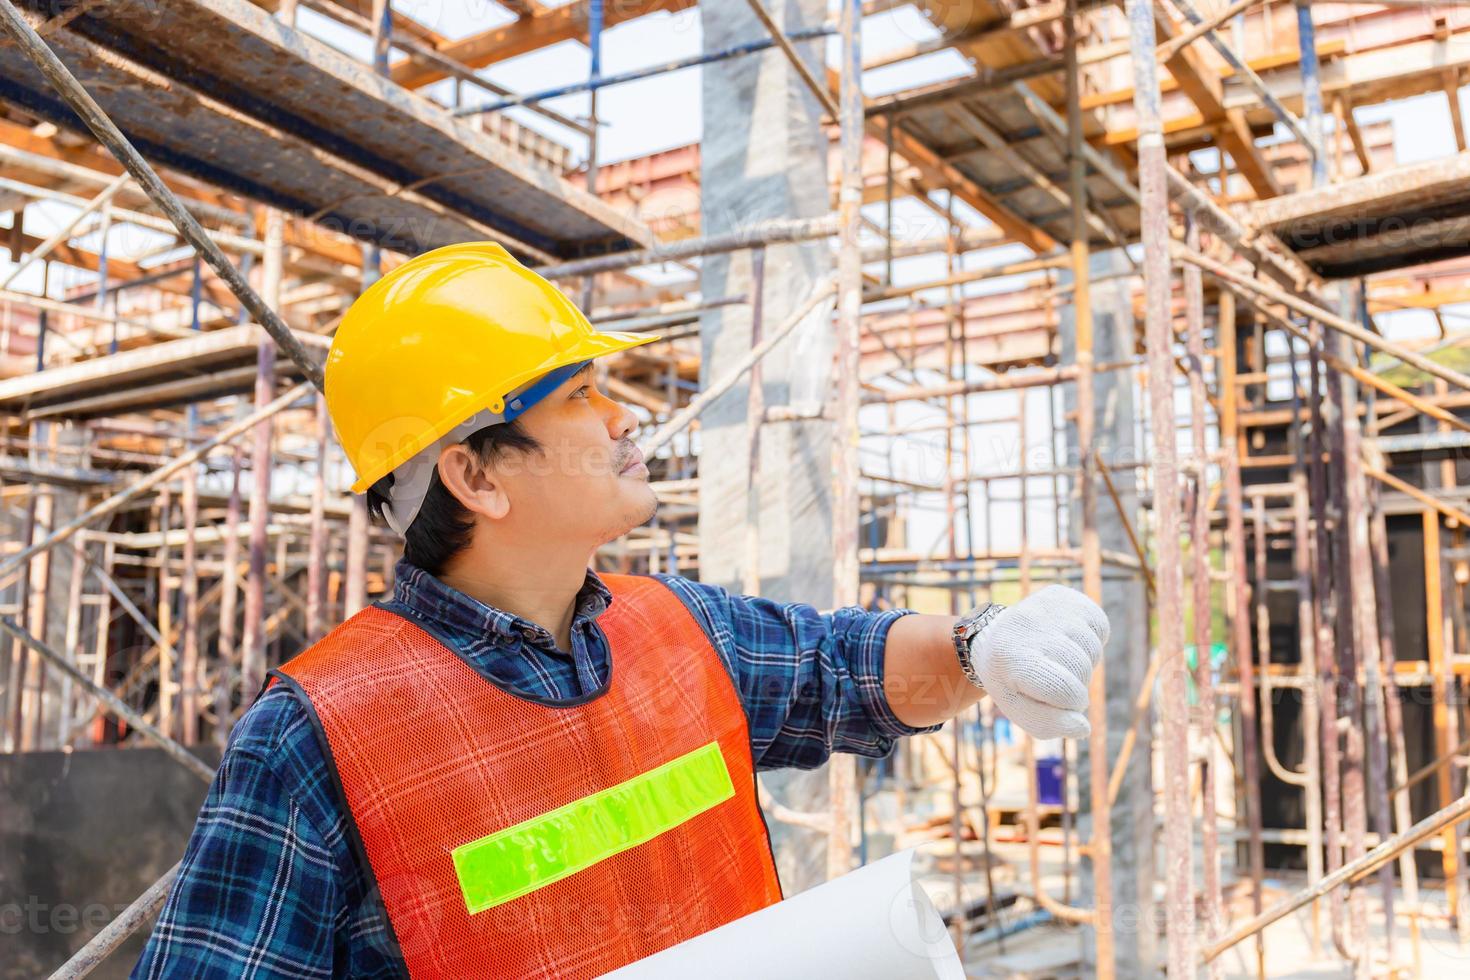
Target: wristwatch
(965, 631)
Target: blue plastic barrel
(1049, 780)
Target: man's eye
(580, 392)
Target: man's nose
(621, 422)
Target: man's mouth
(634, 464)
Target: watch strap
(965, 631)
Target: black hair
(442, 527)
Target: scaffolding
(1168, 199)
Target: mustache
(624, 451)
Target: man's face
(587, 484)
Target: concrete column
(764, 156)
(1126, 602)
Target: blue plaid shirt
(269, 886)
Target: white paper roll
(873, 924)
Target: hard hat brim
(587, 347)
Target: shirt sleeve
(257, 890)
(811, 683)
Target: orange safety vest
(512, 837)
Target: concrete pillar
(763, 157)
(1126, 602)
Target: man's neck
(543, 590)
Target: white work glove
(1036, 658)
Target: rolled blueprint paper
(875, 923)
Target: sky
(664, 111)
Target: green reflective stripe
(536, 852)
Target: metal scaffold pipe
(1159, 332)
(765, 233)
(113, 703)
(846, 498)
(1326, 318)
(1079, 258)
(531, 100)
(1349, 874)
(738, 370)
(117, 500)
(115, 933)
(61, 234)
(1204, 27)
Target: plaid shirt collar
(427, 596)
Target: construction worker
(515, 767)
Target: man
(515, 767)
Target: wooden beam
(936, 170)
(522, 8)
(299, 233)
(20, 137)
(402, 23)
(170, 359)
(526, 34)
(1205, 89)
(1342, 107)
(1452, 90)
(1003, 27)
(977, 127)
(16, 240)
(1401, 188)
(1283, 58)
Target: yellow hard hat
(447, 334)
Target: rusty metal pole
(1194, 311)
(34, 691)
(104, 622)
(1327, 608)
(358, 527)
(1339, 688)
(1453, 698)
(355, 595)
(1024, 558)
(167, 660)
(1359, 642)
(1374, 723)
(189, 586)
(845, 498)
(20, 654)
(1153, 189)
(1390, 711)
(1239, 604)
(229, 601)
(755, 413)
(137, 915)
(73, 639)
(1439, 674)
(316, 548)
(952, 308)
(1311, 781)
(1393, 717)
(1097, 700)
(954, 311)
(252, 654)
(189, 571)
(1349, 874)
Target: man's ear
(474, 484)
